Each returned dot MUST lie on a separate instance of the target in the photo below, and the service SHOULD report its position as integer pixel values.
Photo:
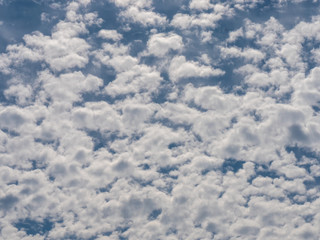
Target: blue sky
(141, 119)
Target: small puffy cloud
(62, 51)
(261, 79)
(291, 53)
(203, 20)
(13, 117)
(303, 30)
(137, 3)
(307, 89)
(271, 34)
(160, 44)
(134, 115)
(243, 4)
(234, 35)
(21, 93)
(98, 116)
(251, 29)
(249, 54)
(210, 126)
(84, 2)
(137, 79)
(316, 55)
(206, 36)
(123, 63)
(183, 21)
(144, 17)
(181, 68)
(140, 11)
(110, 35)
(68, 87)
(200, 4)
(92, 19)
(177, 113)
(211, 98)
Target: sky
(159, 119)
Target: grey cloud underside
(140, 119)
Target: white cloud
(206, 36)
(134, 115)
(243, 4)
(138, 79)
(203, 20)
(234, 35)
(140, 11)
(22, 94)
(251, 29)
(316, 55)
(181, 68)
(306, 90)
(64, 49)
(13, 118)
(98, 116)
(160, 44)
(200, 4)
(67, 88)
(61, 51)
(177, 113)
(137, 3)
(144, 17)
(260, 79)
(292, 55)
(110, 34)
(123, 63)
(249, 54)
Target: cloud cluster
(100, 140)
(140, 12)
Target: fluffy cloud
(144, 17)
(110, 34)
(160, 44)
(181, 68)
(139, 79)
(203, 20)
(140, 11)
(62, 50)
(200, 5)
(248, 54)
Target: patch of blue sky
(169, 7)
(99, 139)
(171, 124)
(20, 17)
(316, 108)
(307, 54)
(300, 152)
(108, 12)
(232, 165)
(265, 171)
(33, 227)
(7, 202)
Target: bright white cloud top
(141, 119)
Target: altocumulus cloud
(141, 119)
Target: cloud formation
(188, 120)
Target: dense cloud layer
(166, 120)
